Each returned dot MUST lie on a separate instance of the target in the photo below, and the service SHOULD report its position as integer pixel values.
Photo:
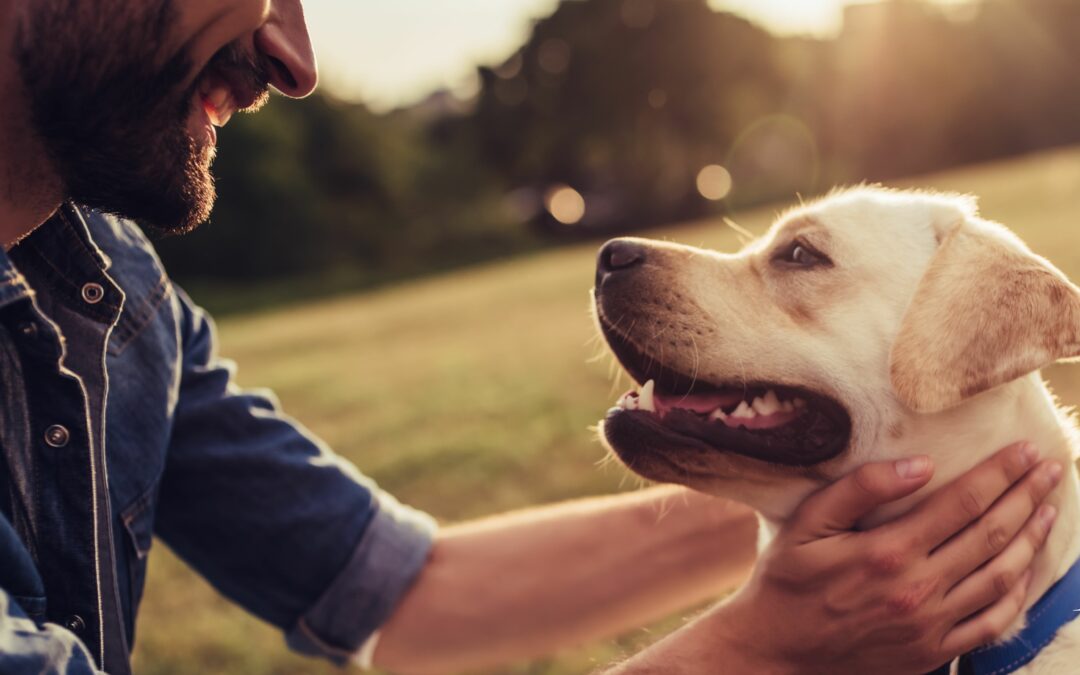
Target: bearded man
(119, 422)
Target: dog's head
(855, 321)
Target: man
(119, 421)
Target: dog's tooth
(767, 405)
(645, 398)
(772, 400)
(787, 406)
(799, 404)
(718, 414)
(744, 412)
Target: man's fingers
(991, 534)
(838, 507)
(967, 498)
(987, 626)
(997, 579)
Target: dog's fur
(928, 327)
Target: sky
(393, 52)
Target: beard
(111, 110)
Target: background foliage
(625, 101)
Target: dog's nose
(618, 255)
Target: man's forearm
(528, 583)
(708, 645)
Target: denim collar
(63, 248)
(1059, 606)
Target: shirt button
(75, 624)
(93, 293)
(57, 436)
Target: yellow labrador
(870, 325)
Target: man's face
(125, 95)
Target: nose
(284, 39)
(618, 255)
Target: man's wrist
(713, 643)
(730, 640)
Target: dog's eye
(799, 254)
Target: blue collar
(1059, 606)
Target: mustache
(248, 73)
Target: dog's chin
(774, 491)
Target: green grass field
(473, 393)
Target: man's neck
(17, 221)
(30, 191)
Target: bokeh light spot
(714, 182)
(565, 204)
(554, 56)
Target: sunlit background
(405, 257)
(438, 45)
(447, 134)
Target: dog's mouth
(770, 422)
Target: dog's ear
(986, 312)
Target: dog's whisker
(697, 363)
(744, 235)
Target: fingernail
(1029, 454)
(913, 467)
(1047, 514)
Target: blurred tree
(323, 188)
(626, 101)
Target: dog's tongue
(699, 403)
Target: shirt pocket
(138, 520)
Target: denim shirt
(119, 422)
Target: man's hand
(902, 598)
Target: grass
(474, 392)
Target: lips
(217, 100)
(228, 85)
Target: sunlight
(436, 44)
(817, 17)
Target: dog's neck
(1023, 410)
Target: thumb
(838, 507)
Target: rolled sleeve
(390, 556)
(273, 519)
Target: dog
(870, 325)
